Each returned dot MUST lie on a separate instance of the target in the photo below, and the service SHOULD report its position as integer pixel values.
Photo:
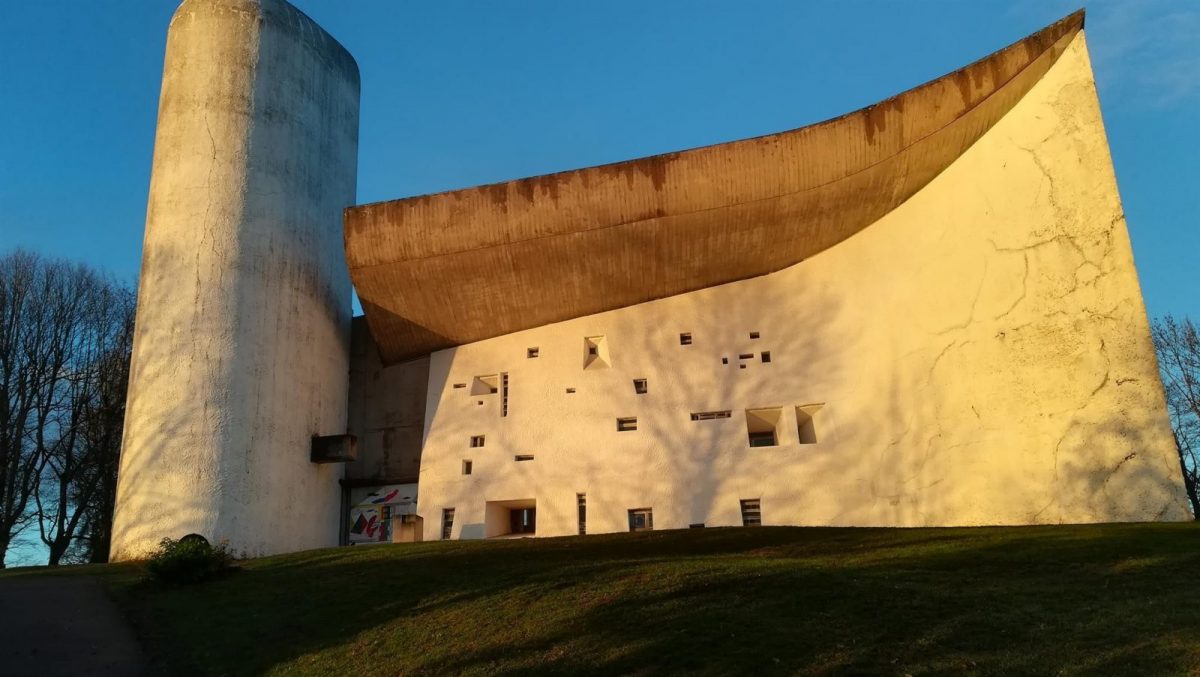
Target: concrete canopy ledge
(440, 270)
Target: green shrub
(190, 559)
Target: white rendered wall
(241, 348)
(982, 354)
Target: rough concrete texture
(387, 412)
(242, 342)
(981, 355)
(551, 248)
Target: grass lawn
(1110, 599)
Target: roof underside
(441, 270)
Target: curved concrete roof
(440, 270)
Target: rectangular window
(762, 426)
(806, 424)
(460, 385)
(447, 523)
(570, 391)
(762, 439)
(753, 335)
(685, 339)
(766, 356)
(751, 513)
(466, 468)
(476, 441)
(709, 415)
(639, 386)
(696, 525)
(581, 501)
(746, 356)
(523, 457)
(626, 424)
(504, 394)
(531, 352)
(641, 519)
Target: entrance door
(522, 520)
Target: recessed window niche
(762, 426)
(806, 423)
(595, 353)
(486, 385)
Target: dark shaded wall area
(387, 413)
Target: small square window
(766, 356)
(476, 441)
(627, 424)
(641, 519)
(724, 360)
(753, 335)
(639, 386)
(531, 352)
(466, 467)
(685, 339)
(523, 457)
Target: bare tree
(79, 464)
(64, 344)
(102, 430)
(22, 372)
(1177, 343)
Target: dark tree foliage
(65, 341)
(1177, 343)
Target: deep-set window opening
(641, 519)
(751, 512)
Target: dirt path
(63, 625)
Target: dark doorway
(522, 520)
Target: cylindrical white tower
(241, 348)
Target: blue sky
(456, 94)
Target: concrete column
(242, 343)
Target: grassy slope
(1100, 599)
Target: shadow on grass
(1098, 599)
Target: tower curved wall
(979, 355)
(241, 346)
